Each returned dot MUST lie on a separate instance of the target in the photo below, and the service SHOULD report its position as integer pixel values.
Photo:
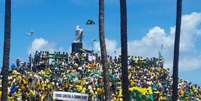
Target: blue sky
(150, 24)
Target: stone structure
(77, 44)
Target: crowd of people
(82, 73)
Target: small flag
(90, 22)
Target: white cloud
(40, 44)
(150, 44)
(157, 37)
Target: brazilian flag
(90, 22)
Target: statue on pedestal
(78, 34)
(77, 44)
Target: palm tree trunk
(103, 51)
(6, 50)
(176, 51)
(124, 50)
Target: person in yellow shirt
(99, 91)
(119, 93)
(78, 88)
(16, 95)
(42, 97)
(114, 98)
(0, 94)
(10, 98)
(149, 91)
(83, 90)
(181, 92)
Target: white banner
(68, 96)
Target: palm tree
(176, 51)
(124, 50)
(6, 50)
(103, 51)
